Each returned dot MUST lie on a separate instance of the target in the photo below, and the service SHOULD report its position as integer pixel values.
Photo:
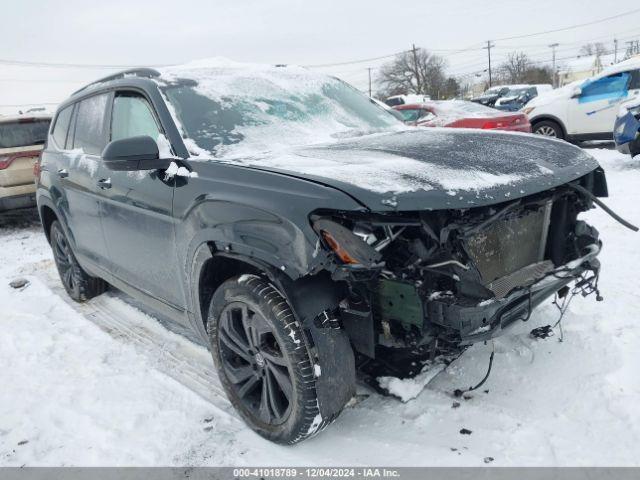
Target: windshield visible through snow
(232, 110)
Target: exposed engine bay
(442, 280)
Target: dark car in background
(462, 114)
(517, 97)
(302, 231)
(491, 95)
(626, 130)
(21, 140)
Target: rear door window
(61, 128)
(133, 116)
(610, 87)
(24, 132)
(90, 134)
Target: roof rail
(137, 72)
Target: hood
(434, 168)
(483, 98)
(550, 96)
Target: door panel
(137, 212)
(594, 111)
(78, 174)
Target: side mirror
(576, 92)
(134, 153)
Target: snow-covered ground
(106, 384)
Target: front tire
(79, 285)
(262, 358)
(549, 128)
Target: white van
(585, 110)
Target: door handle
(104, 183)
(63, 173)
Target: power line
(351, 62)
(571, 27)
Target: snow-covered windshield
(234, 109)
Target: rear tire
(262, 358)
(79, 285)
(548, 128)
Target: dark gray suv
(303, 231)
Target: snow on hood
(397, 165)
(436, 167)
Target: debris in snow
(409, 388)
(175, 170)
(23, 442)
(208, 429)
(465, 431)
(19, 283)
(542, 332)
(488, 459)
(208, 420)
(455, 405)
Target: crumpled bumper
(488, 319)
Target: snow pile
(409, 388)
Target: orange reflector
(335, 246)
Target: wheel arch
(551, 118)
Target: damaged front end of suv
(435, 281)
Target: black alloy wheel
(264, 361)
(253, 361)
(63, 258)
(78, 284)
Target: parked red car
(462, 114)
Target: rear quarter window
(61, 127)
(24, 133)
(90, 134)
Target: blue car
(626, 131)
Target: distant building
(583, 67)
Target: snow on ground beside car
(106, 384)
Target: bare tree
(418, 72)
(598, 49)
(519, 69)
(514, 69)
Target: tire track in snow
(173, 355)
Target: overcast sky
(307, 32)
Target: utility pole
(488, 48)
(615, 50)
(553, 48)
(415, 64)
(369, 70)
